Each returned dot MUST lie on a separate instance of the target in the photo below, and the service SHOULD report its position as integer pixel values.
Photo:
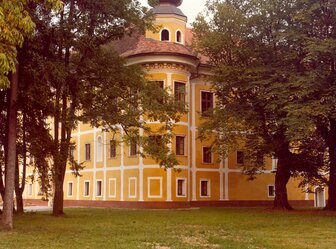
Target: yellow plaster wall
(154, 173)
(176, 24)
(214, 185)
(127, 175)
(175, 176)
(110, 175)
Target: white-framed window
(181, 187)
(87, 151)
(132, 187)
(71, 152)
(99, 188)
(133, 148)
(154, 184)
(180, 145)
(207, 156)
(86, 188)
(179, 37)
(240, 157)
(112, 187)
(180, 93)
(99, 149)
(270, 191)
(319, 197)
(207, 102)
(274, 163)
(165, 34)
(30, 189)
(204, 188)
(70, 189)
(113, 148)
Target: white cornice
(145, 59)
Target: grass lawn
(163, 229)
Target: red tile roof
(137, 45)
(150, 46)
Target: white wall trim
(193, 142)
(135, 187)
(113, 181)
(149, 186)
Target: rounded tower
(170, 21)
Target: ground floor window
(99, 188)
(271, 191)
(70, 188)
(86, 188)
(205, 188)
(181, 187)
(30, 189)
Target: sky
(189, 7)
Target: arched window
(100, 149)
(164, 35)
(178, 36)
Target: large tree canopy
(256, 52)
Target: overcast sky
(189, 7)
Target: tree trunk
(281, 179)
(2, 172)
(7, 216)
(20, 189)
(58, 196)
(18, 193)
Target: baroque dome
(154, 3)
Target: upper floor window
(178, 36)
(179, 93)
(100, 149)
(160, 94)
(240, 157)
(207, 102)
(133, 149)
(87, 152)
(207, 155)
(164, 35)
(113, 148)
(71, 152)
(180, 145)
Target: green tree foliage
(15, 24)
(252, 46)
(72, 54)
(313, 108)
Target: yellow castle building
(115, 175)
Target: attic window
(164, 35)
(178, 36)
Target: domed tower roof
(154, 3)
(166, 7)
